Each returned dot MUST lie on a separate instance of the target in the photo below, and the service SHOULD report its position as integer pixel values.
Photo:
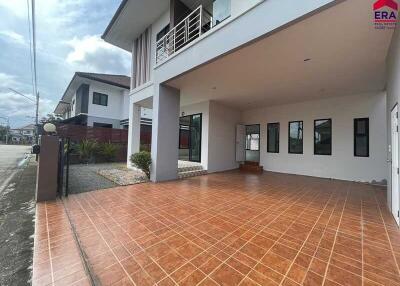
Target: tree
(3, 132)
(50, 118)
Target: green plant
(142, 160)
(108, 151)
(86, 150)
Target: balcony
(197, 23)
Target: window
(103, 125)
(361, 137)
(296, 137)
(253, 137)
(163, 32)
(273, 138)
(323, 137)
(100, 98)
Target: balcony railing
(189, 29)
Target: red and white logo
(385, 14)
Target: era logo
(385, 12)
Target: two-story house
(23, 135)
(98, 100)
(300, 87)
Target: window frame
(277, 144)
(331, 141)
(100, 96)
(302, 139)
(363, 135)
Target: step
(188, 174)
(251, 168)
(189, 166)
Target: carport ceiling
(346, 56)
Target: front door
(190, 138)
(395, 163)
(253, 143)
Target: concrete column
(165, 134)
(134, 131)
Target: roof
(121, 81)
(28, 127)
(113, 79)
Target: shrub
(86, 150)
(108, 151)
(142, 160)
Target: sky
(68, 40)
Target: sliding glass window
(296, 137)
(323, 137)
(273, 138)
(361, 137)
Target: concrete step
(189, 168)
(193, 173)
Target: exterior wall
(155, 29)
(203, 108)
(393, 96)
(222, 137)
(115, 99)
(239, 6)
(341, 164)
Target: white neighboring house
(23, 135)
(301, 87)
(99, 100)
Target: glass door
(190, 138)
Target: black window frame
(162, 32)
(331, 141)
(276, 144)
(366, 134)
(302, 138)
(99, 99)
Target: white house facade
(99, 100)
(299, 87)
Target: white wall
(393, 94)
(222, 137)
(240, 6)
(115, 99)
(342, 164)
(155, 29)
(203, 108)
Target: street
(17, 207)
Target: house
(300, 87)
(23, 135)
(98, 100)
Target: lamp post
(7, 127)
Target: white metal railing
(190, 28)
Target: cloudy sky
(68, 40)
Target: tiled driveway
(232, 228)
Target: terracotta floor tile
(227, 228)
(226, 275)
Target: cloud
(7, 80)
(92, 54)
(13, 36)
(14, 105)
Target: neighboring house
(302, 87)
(99, 100)
(23, 135)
